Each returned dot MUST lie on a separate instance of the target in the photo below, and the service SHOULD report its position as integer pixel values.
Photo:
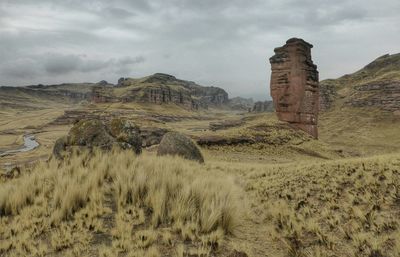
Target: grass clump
(132, 204)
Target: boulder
(93, 133)
(127, 134)
(90, 133)
(174, 143)
(295, 85)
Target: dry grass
(337, 208)
(118, 203)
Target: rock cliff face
(294, 85)
(160, 89)
(266, 106)
(377, 85)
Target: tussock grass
(142, 206)
(333, 208)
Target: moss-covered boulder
(90, 133)
(93, 133)
(126, 133)
(174, 143)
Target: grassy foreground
(119, 204)
(116, 203)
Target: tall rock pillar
(294, 85)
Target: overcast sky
(224, 43)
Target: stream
(29, 144)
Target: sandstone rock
(294, 85)
(174, 143)
(266, 106)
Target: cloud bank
(222, 43)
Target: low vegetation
(117, 203)
(333, 208)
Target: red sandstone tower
(295, 86)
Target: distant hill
(159, 89)
(37, 96)
(375, 85)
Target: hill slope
(375, 85)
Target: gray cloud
(223, 43)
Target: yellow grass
(119, 199)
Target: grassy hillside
(376, 85)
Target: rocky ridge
(376, 85)
(161, 89)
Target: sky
(224, 43)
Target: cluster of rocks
(89, 134)
(162, 89)
(94, 133)
(294, 85)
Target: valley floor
(293, 196)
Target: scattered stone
(174, 143)
(295, 86)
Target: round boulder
(174, 143)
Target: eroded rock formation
(294, 85)
(161, 89)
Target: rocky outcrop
(93, 133)
(266, 106)
(377, 85)
(174, 143)
(161, 89)
(381, 94)
(294, 85)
